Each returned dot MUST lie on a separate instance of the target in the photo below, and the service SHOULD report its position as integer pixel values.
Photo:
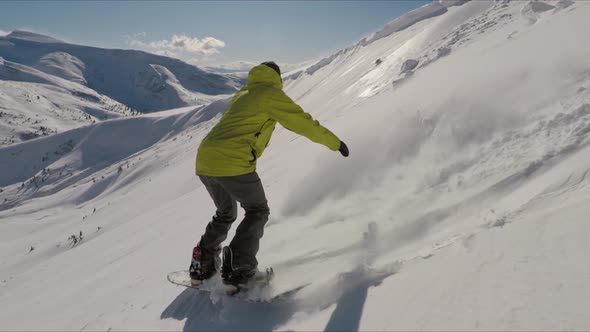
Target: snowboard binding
(239, 279)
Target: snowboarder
(226, 164)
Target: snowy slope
(128, 76)
(381, 60)
(462, 206)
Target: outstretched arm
(291, 116)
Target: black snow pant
(226, 192)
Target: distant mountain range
(42, 79)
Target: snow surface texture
(463, 205)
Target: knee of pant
(261, 211)
(228, 216)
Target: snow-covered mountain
(140, 80)
(34, 103)
(243, 67)
(462, 206)
(234, 67)
(87, 84)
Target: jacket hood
(263, 74)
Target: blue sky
(212, 32)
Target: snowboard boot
(235, 276)
(204, 265)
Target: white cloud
(135, 37)
(179, 43)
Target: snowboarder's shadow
(348, 290)
(227, 314)
(349, 307)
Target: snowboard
(259, 289)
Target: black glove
(343, 149)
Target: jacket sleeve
(291, 116)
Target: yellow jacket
(234, 145)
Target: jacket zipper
(254, 157)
